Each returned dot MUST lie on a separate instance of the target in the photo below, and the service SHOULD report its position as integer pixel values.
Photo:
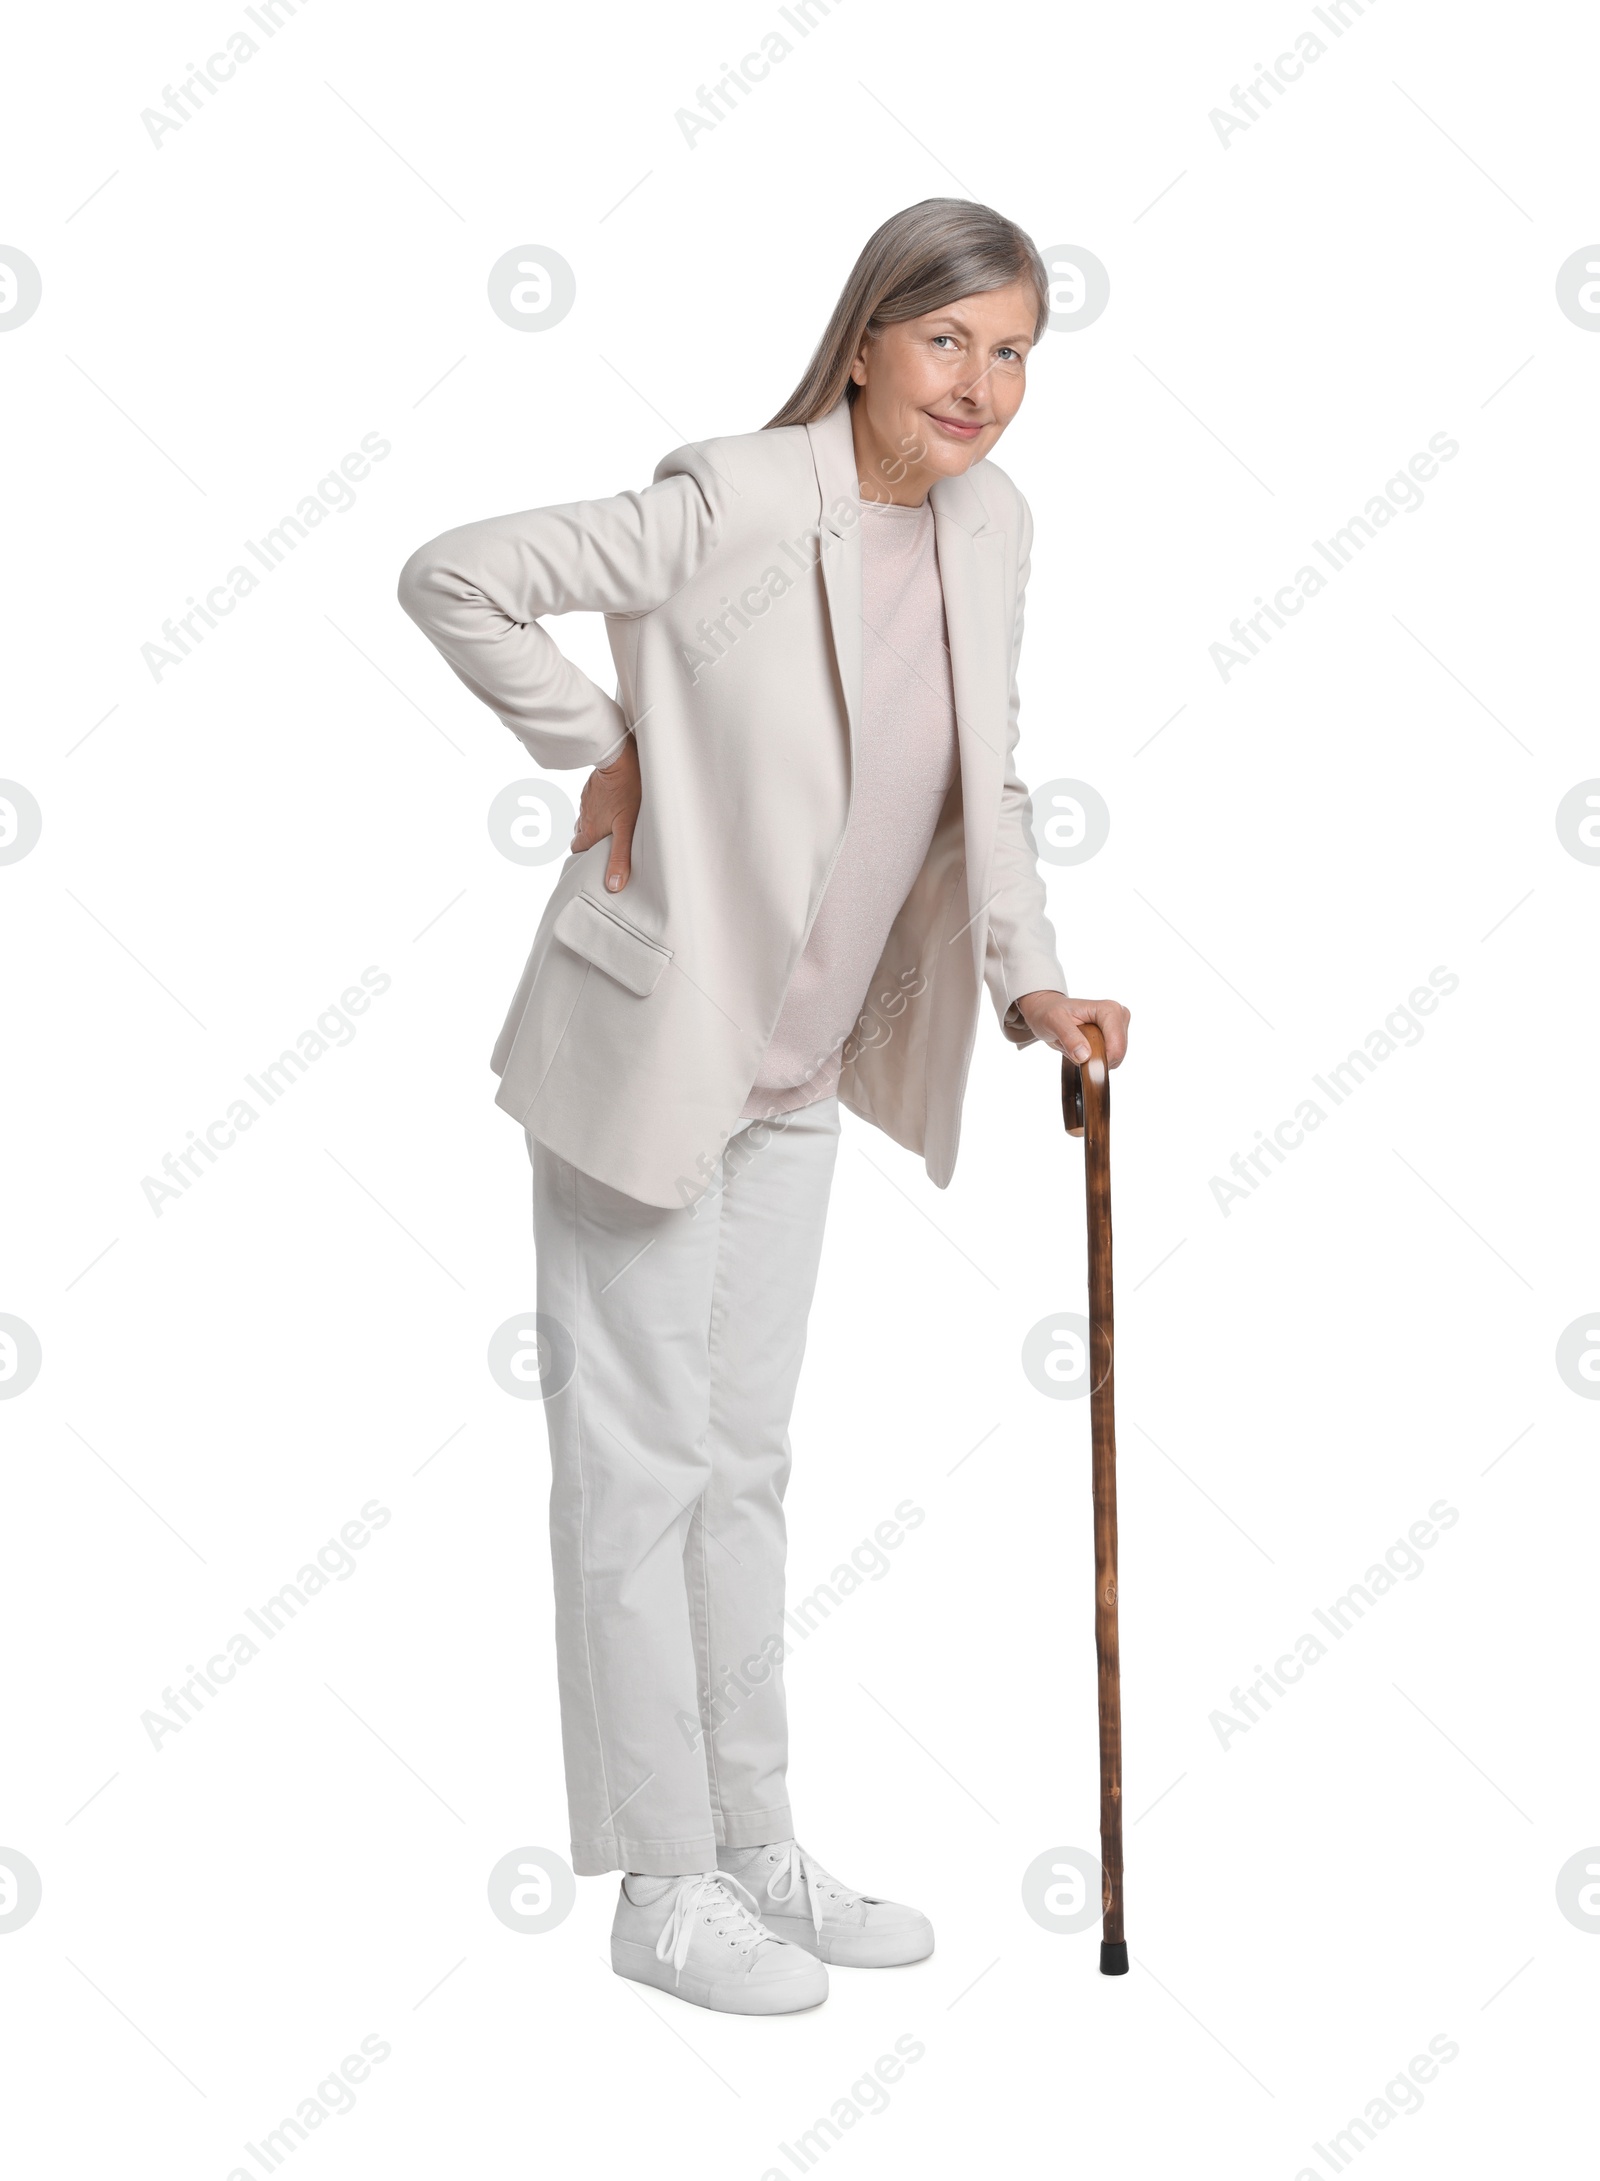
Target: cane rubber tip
(1113, 1957)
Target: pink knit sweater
(906, 759)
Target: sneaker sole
(855, 1949)
(633, 1959)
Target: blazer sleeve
(1021, 954)
(480, 592)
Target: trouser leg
(633, 1285)
(775, 1188)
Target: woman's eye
(938, 337)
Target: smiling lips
(955, 428)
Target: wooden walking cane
(1086, 1109)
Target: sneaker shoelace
(713, 1898)
(799, 1872)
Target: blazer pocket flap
(618, 948)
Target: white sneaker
(696, 1938)
(804, 1904)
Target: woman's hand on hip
(1054, 1019)
(610, 804)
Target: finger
(1066, 1037)
(594, 820)
(1112, 1018)
(619, 864)
(594, 814)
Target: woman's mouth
(953, 427)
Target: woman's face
(937, 391)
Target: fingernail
(613, 882)
(1080, 1052)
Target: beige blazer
(731, 589)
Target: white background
(1291, 852)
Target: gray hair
(929, 255)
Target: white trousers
(669, 1453)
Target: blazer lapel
(839, 548)
(972, 577)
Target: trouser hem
(754, 1828)
(652, 1858)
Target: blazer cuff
(1038, 974)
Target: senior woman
(803, 853)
